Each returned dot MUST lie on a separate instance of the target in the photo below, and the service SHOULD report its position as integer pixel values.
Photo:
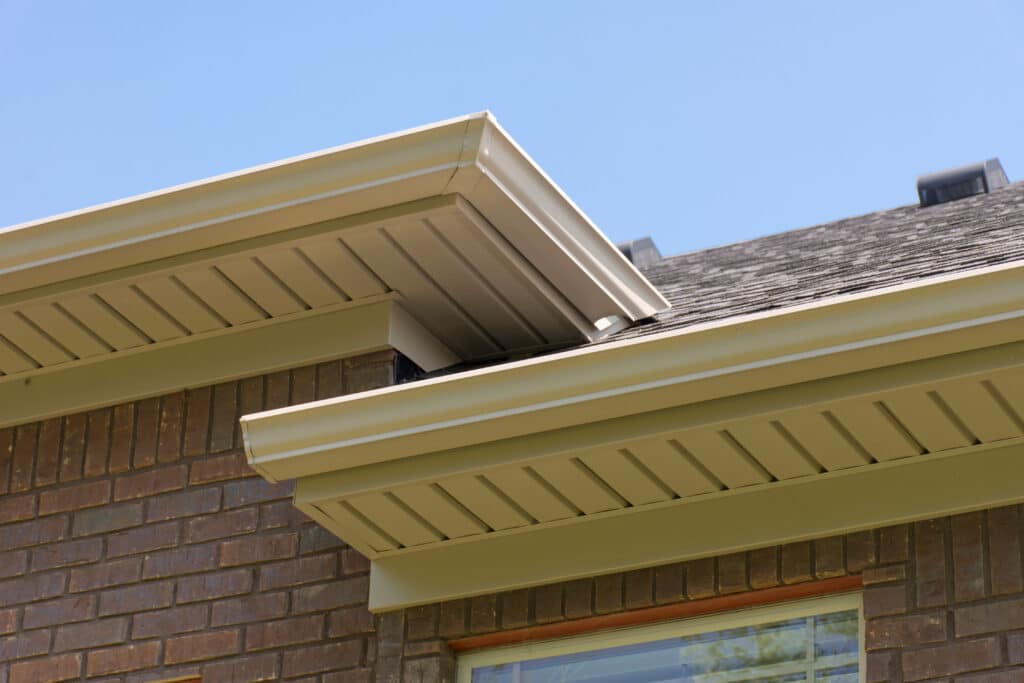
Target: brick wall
(136, 544)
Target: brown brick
(48, 451)
(254, 490)
(123, 658)
(894, 544)
(1004, 615)
(328, 380)
(968, 557)
(196, 647)
(147, 426)
(121, 433)
(54, 668)
(66, 554)
(285, 632)
(259, 549)
(169, 622)
(179, 561)
(96, 633)
(515, 608)
(17, 508)
(952, 658)
(143, 539)
(197, 421)
(1004, 532)
(905, 631)
(24, 645)
(547, 604)
(15, 563)
(259, 607)
(451, 619)
(732, 573)
(77, 497)
(930, 563)
(8, 620)
(221, 525)
(184, 504)
(700, 578)
(579, 598)
(225, 416)
(105, 574)
(319, 658)
(298, 571)
(262, 667)
(32, 587)
(888, 574)
(885, 600)
(106, 519)
(25, 438)
(764, 567)
(220, 468)
(72, 448)
(829, 559)
(313, 538)
(145, 596)
(326, 596)
(60, 611)
(97, 444)
(796, 563)
(34, 532)
(214, 585)
(483, 613)
(169, 437)
(150, 483)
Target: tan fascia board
(470, 155)
(345, 330)
(847, 334)
(845, 501)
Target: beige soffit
(483, 253)
(458, 486)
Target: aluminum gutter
(928, 318)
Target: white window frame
(632, 635)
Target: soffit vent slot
(961, 182)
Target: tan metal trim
(900, 491)
(848, 334)
(275, 344)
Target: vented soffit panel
(452, 222)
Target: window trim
(680, 627)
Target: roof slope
(850, 255)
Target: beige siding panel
(979, 410)
(265, 290)
(673, 467)
(348, 273)
(477, 249)
(302, 278)
(180, 304)
(436, 507)
(779, 456)
(463, 283)
(530, 495)
(483, 502)
(722, 459)
(153, 322)
(424, 296)
(577, 485)
(624, 476)
(354, 524)
(12, 360)
(71, 334)
(30, 341)
(823, 440)
(104, 322)
(394, 519)
(923, 418)
(873, 430)
(222, 295)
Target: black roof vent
(641, 252)
(964, 181)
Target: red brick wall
(136, 544)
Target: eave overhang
(717, 438)
(451, 222)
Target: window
(816, 641)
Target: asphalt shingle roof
(850, 255)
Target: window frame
(689, 626)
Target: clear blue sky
(698, 123)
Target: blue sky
(697, 123)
